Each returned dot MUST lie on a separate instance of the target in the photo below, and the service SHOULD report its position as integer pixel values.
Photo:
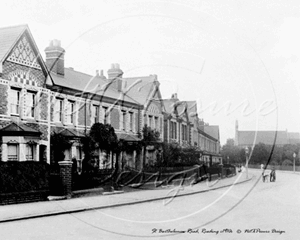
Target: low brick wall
(25, 181)
(23, 197)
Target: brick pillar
(65, 168)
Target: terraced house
(79, 100)
(39, 98)
(183, 127)
(25, 100)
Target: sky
(238, 59)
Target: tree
(170, 155)
(101, 136)
(234, 153)
(260, 154)
(59, 143)
(149, 137)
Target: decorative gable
(23, 54)
(23, 77)
(153, 108)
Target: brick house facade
(39, 97)
(24, 103)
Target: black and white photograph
(149, 119)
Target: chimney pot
(97, 73)
(55, 57)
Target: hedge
(17, 177)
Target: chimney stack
(115, 74)
(114, 71)
(55, 57)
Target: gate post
(65, 172)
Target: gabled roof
(72, 133)
(87, 83)
(267, 137)
(174, 106)
(9, 36)
(141, 92)
(19, 129)
(67, 132)
(213, 131)
(127, 137)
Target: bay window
(13, 151)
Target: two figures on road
(266, 174)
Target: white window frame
(150, 121)
(31, 147)
(70, 112)
(156, 123)
(105, 118)
(58, 110)
(17, 152)
(131, 121)
(30, 109)
(124, 120)
(95, 113)
(16, 103)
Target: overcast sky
(238, 59)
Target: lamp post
(247, 159)
(294, 156)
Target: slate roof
(18, 129)
(140, 92)
(267, 137)
(8, 38)
(87, 83)
(189, 106)
(67, 132)
(212, 130)
(127, 137)
(169, 105)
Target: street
(255, 209)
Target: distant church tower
(236, 139)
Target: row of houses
(40, 97)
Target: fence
(277, 167)
(23, 181)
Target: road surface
(252, 210)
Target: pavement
(24, 211)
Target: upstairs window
(15, 101)
(58, 110)
(105, 115)
(150, 121)
(70, 112)
(131, 121)
(184, 132)
(30, 104)
(124, 120)
(156, 123)
(173, 130)
(95, 114)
